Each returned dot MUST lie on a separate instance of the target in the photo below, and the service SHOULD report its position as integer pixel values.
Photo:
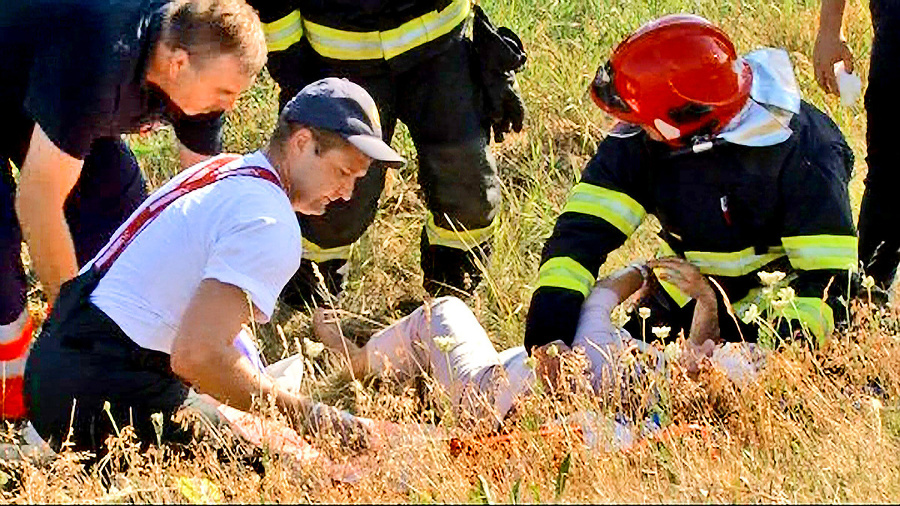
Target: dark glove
(499, 54)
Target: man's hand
(689, 279)
(685, 276)
(45, 181)
(830, 46)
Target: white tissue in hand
(849, 85)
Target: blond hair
(207, 29)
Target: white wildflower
(661, 332)
(552, 351)
(868, 282)
(770, 278)
(644, 312)
(445, 343)
(751, 314)
(672, 352)
(787, 294)
(312, 349)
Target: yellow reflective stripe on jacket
(677, 295)
(732, 264)
(812, 252)
(284, 32)
(814, 314)
(459, 238)
(348, 45)
(616, 208)
(315, 253)
(563, 272)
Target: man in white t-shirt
(158, 309)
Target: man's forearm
(831, 16)
(50, 244)
(230, 378)
(705, 323)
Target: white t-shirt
(240, 230)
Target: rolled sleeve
(257, 255)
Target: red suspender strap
(206, 174)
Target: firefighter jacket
(362, 35)
(733, 210)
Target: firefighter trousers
(440, 104)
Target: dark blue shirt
(77, 68)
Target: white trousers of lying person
(444, 340)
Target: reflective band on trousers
(459, 237)
(315, 253)
(816, 252)
(616, 208)
(348, 45)
(564, 272)
(281, 34)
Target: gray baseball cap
(345, 108)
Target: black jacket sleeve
(601, 212)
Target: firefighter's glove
(499, 54)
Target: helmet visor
(604, 93)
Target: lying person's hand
(685, 276)
(353, 432)
(694, 353)
(547, 361)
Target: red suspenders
(206, 174)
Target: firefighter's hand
(685, 276)
(828, 50)
(506, 109)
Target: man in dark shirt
(77, 75)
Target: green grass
(801, 435)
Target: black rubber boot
(451, 271)
(304, 290)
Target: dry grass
(817, 426)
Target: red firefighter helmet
(678, 76)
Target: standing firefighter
(76, 75)
(413, 58)
(743, 176)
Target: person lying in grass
(443, 339)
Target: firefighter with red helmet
(743, 176)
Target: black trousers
(879, 236)
(81, 361)
(110, 188)
(439, 102)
